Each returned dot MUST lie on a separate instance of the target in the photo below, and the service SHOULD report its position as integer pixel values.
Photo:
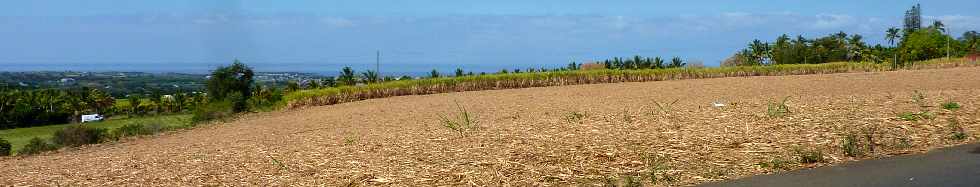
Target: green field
(20, 136)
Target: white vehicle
(91, 118)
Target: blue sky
(321, 36)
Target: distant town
(122, 83)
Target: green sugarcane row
(335, 95)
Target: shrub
(776, 164)
(957, 131)
(228, 81)
(76, 135)
(212, 111)
(951, 105)
(810, 156)
(4, 147)
(658, 169)
(574, 116)
(136, 129)
(919, 98)
(851, 146)
(37, 145)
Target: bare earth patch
(572, 135)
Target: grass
(666, 109)
(462, 123)
(919, 98)
(22, 136)
(951, 105)
(574, 117)
(915, 116)
(778, 164)
(334, 95)
(779, 109)
(809, 156)
(658, 170)
(852, 146)
(956, 130)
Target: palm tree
(760, 51)
(459, 72)
(370, 77)
(435, 74)
(854, 47)
(658, 62)
(892, 34)
(676, 62)
(347, 76)
(134, 104)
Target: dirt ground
(580, 135)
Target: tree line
(914, 43)
(26, 108)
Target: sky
(321, 36)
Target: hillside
(582, 134)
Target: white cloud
(958, 23)
(337, 22)
(832, 21)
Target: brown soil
(572, 135)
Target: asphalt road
(954, 166)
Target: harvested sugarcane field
(623, 93)
(680, 132)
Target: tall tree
(459, 72)
(892, 34)
(370, 77)
(658, 62)
(134, 104)
(971, 40)
(676, 62)
(346, 77)
(435, 74)
(232, 83)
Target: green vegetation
(334, 95)
(915, 44)
(780, 109)
(915, 116)
(138, 129)
(658, 169)
(852, 146)
(232, 84)
(37, 145)
(460, 124)
(951, 105)
(77, 135)
(50, 106)
(635, 63)
(116, 84)
(665, 109)
(5, 148)
(809, 156)
(776, 164)
(574, 117)
(231, 90)
(21, 136)
(956, 130)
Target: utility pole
(377, 65)
(947, 43)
